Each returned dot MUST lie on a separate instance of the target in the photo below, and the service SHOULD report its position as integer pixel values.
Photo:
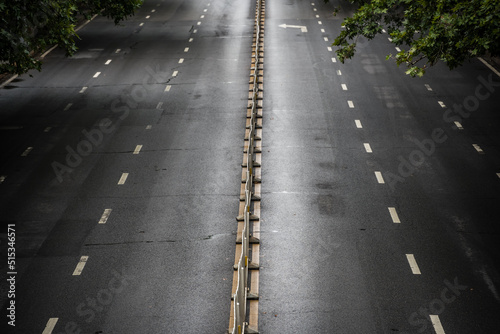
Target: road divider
(244, 305)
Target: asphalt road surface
(120, 178)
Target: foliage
(427, 31)
(28, 28)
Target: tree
(28, 28)
(427, 31)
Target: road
(120, 174)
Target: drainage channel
(244, 314)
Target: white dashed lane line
(441, 103)
(181, 60)
(326, 39)
(186, 49)
(339, 72)
(158, 106)
(334, 60)
(428, 87)
(83, 90)
(141, 24)
(436, 323)
(413, 264)
(380, 178)
(147, 17)
(368, 148)
(49, 327)
(27, 151)
(81, 264)
(97, 74)
(344, 86)
(68, 106)
(202, 17)
(198, 23)
(123, 178)
(137, 149)
(394, 215)
(350, 104)
(174, 74)
(498, 174)
(47, 129)
(398, 49)
(105, 216)
(459, 125)
(167, 88)
(118, 50)
(358, 123)
(478, 149)
(107, 62)
(329, 49)
(319, 22)
(153, 10)
(149, 127)
(323, 30)
(2, 178)
(190, 40)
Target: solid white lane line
(137, 149)
(181, 60)
(436, 323)
(339, 72)
(413, 264)
(186, 49)
(459, 125)
(175, 73)
(2, 178)
(441, 103)
(368, 148)
(334, 60)
(97, 74)
(167, 88)
(158, 106)
(118, 50)
(489, 66)
(319, 22)
(105, 216)
(149, 127)
(358, 123)
(83, 90)
(49, 327)
(394, 215)
(190, 40)
(478, 149)
(380, 178)
(26, 151)
(428, 87)
(68, 106)
(107, 62)
(123, 178)
(80, 266)
(329, 49)
(350, 104)
(141, 24)
(326, 39)
(344, 87)
(47, 129)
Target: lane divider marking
(344, 86)
(459, 125)
(97, 74)
(49, 327)
(81, 264)
(358, 123)
(436, 323)
(394, 215)
(368, 148)
(137, 149)
(27, 151)
(158, 106)
(441, 103)
(413, 264)
(105, 216)
(2, 178)
(47, 129)
(478, 149)
(83, 90)
(107, 62)
(350, 104)
(428, 87)
(123, 178)
(167, 88)
(380, 178)
(68, 106)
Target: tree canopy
(28, 28)
(452, 31)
